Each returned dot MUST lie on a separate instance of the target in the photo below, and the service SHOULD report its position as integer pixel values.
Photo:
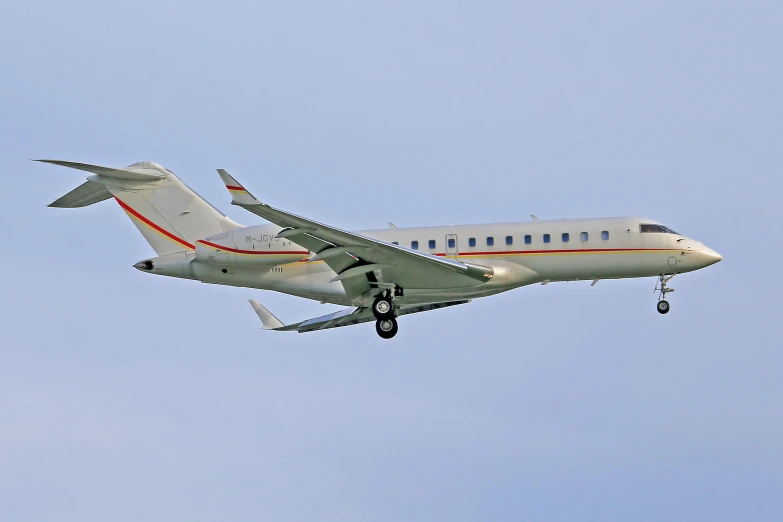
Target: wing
(362, 263)
(346, 317)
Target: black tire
(383, 308)
(386, 328)
(663, 307)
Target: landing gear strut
(660, 286)
(386, 328)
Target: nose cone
(710, 256)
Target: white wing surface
(362, 263)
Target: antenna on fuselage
(392, 225)
(534, 217)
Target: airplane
(380, 275)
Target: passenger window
(452, 243)
(605, 235)
(490, 241)
(546, 238)
(415, 245)
(528, 239)
(509, 240)
(584, 236)
(565, 237)
(472, 242)
(395, 243)
(432, 243)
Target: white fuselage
(519, 254)
(380, 274)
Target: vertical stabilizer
(169, 214)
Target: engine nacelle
(250, 246)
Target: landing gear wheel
(383, 308)
(663, 306)
(386, 328)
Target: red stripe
(305, 252)
(255, 252)
(232, 187)
(506, 252)
(153, 225)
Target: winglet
(239, 194)
(270, 321)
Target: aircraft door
(452, 247)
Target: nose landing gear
(660, 286)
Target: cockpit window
(656, 228)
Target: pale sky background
(128, 397)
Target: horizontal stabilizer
(84, 195)
(269, 321)
(107, 171)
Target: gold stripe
(161, 234)
(259, 252)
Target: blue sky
(130, 397)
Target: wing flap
(356, 271)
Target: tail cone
(145, 265)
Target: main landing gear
(386, 328)
(383, 310)
(383, 307)
(660, 286)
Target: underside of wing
(86, 194)
(346, 317)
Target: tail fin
(168, 213)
